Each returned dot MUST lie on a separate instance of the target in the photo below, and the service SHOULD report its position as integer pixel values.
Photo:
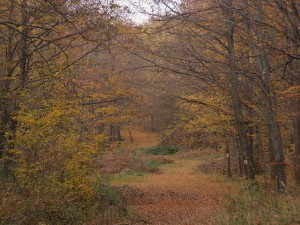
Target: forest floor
(177, 194)
(189, 187)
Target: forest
(191, 116)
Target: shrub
(101, 202)
(53, 182)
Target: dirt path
(179, 195)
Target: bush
(260, 207)
(111, 204)
(161, 150)
(104, 204)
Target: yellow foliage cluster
(55, 143)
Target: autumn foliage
(86, 94)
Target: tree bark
(296, 131)
(239, 156)
(263, 68)
(235, 95)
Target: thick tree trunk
(235, 95)
(239, 159)
(272, 159)
(277, 149)
(258, 154)
(263, 68)
(293, 38)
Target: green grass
(161, 150)
(260, 207)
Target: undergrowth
(161, 150)
(105, 205)
(260, 207)
(130, 162)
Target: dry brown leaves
(177, 196)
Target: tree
(247, 55)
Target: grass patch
(161, 150)
(127, 177)
(260, 207)
(152, 163)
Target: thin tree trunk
(296, 121)
(130, 135)
(229, 173)
(296, 130)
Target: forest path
(179, 195)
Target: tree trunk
(130, 135)
(259, 156)
(229, 173)
(7, 124)
(293, 38)
(296, 121)
(239, 157)
(296, 131)
(263, 68)
(235, 95)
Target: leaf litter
(178, 196)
